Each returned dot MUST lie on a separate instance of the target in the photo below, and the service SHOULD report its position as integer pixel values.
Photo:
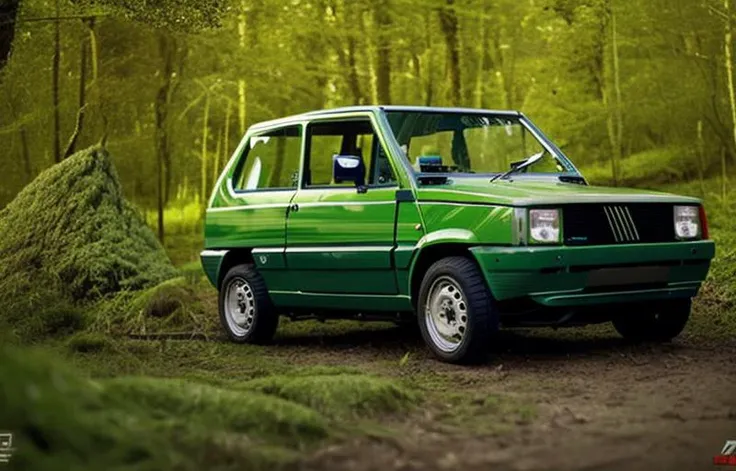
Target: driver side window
(356, 137)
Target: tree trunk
(618, 112)
(82, 104)
(728, 58)
(724, 177)
(482, 55)
(27, 170)
(55, 85)
(8, 16)
(226, 140)
(382, 17)
(241, 81)
(611, 104)
(166, 49)
(216, 164)
(449, 25)
(429, 91)
(701, 157)
(349, 63)
(347, 60)
(205, 138)
(95, 95)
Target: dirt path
(598, 403)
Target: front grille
(632, 223)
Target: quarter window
(271, 160)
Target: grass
(338, 395)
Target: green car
(460, 220)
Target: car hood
(526, 192)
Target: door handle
(294, 208)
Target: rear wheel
(654, 322)
(455, 311)
(246, 311)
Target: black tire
(654, 322)
(481, 314)
(263, 320)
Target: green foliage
(649, 168)
(183, 15)
(338, 395)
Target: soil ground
(580, 399)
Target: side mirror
(349, 168)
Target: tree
(8, 15)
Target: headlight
(544, 226)
(687, 222)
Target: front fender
(444, 237)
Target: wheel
(455, 311)
(654, 322)
(246, 311)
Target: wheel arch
(431, 253)
(232, 258)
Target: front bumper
(589, 275)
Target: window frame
(378, 140)
(243, 158)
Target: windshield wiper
(517, 168)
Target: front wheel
(246, 311)
(654, 322)
(455, 311)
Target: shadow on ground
(356, 340)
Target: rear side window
(270, 160)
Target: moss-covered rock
(70, 237)
(73, 224)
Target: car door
(254, 197)
(339, 239)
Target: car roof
(373, 108)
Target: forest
(116, 119)
(636, 93)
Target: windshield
(471, 143)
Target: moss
(236, 411)
(42, 314)
(89, 342)
(70, 237)
(73, 224)
(57, 418)
(180, 305)
(338, 395)
(63, 420)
